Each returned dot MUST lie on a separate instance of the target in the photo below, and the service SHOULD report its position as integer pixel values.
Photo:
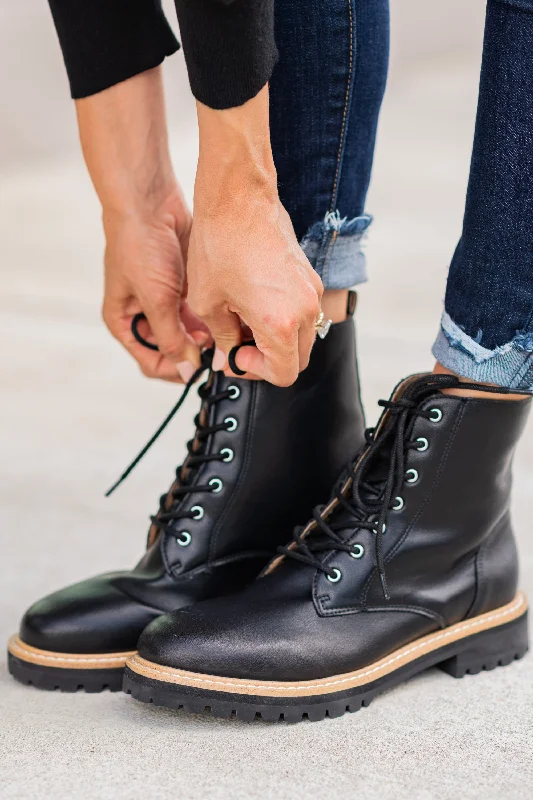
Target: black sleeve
(229, 44)
(105, 42)
(229, 47)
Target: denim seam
(342, 142)
(347, 103)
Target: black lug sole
(65, 680)
(486, 650)
(67, 672)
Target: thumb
(170, 335)
(226, 331)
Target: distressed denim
(326, 94)
(487, 327)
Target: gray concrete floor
(74, 410)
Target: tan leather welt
(335, 683)
(46, 658)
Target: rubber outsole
(485, 650)
(66, 672)
(65, 680)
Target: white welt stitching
(278, 688)
(14, 646)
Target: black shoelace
(371, 501)
(196, 451)
(206, 362)
(168, 511)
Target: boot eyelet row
(231, 424)
(234, 391)
(424, 444)
(414, 476)
(198, 511)
(435, 415)
(337, 575)
(358, 551)
(398, 504)
(184, 539)
(228, 454)
(217, 484)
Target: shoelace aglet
(384, 586)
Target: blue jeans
(326, 94)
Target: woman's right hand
(147, 224)
(145, 272)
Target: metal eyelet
(424, 444)
(218, 483)
(234, 391)
(435, 415)
(184, 539)
(229, 454)
(384, 528)
(231, 424)
(337, 575)
(398, 504)
(414, 477)
(358, 551)
(199, 512)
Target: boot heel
(493, 648)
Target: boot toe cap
(89, 617)
(222, 638)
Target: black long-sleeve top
(229, 45)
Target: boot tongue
(374, 477)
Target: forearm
(124, 140)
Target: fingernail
(219, 360)
(185, 370)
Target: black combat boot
(412, 564)
(261, 457)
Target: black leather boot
(261, 457)
(411, 565)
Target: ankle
(440, 370)
(334, 304)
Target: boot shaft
(447, 548)
(282, 449)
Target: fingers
(152, 364)
(175, 345)
(283, 343)
(226, 331)
(276, 357)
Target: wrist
(139, 195)
(167, 209)
(235, 161)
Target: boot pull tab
(351, 304)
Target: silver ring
(322, 325)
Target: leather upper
(284, 448)
(449, 554)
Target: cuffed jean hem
(509, 365)
(334, 248)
